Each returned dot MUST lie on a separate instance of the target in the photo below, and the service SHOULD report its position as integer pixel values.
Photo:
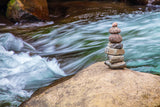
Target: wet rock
(115, 45)
(115, 38)
(27, 10)
(111, 51)
(115, 59)
(118, 65)
(98, 86)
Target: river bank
(65, 12)
(33, 55)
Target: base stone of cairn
(115, 50)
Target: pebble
(114, 24)
(114, 30)
(115, 59)
(115, 38)
(115, 45)
(119, 65)
(111, 51)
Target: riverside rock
(115, 59)
(111, 51)
(115, 38)
(99, 86)
(26, 10)
(114, 30)
(118, 65)
(115, 50)
(115, 45)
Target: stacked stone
(115, 49)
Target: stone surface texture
(117, 65)
(115, 45)
(115, 38)
(114, 30)
(115, 49)
(99, 86)
(111, 51)
(20, 10)
(115, 59)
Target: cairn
(115, 50)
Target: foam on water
(21, 73)
(75, 45)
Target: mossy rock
(27, 10)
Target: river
(46, 53)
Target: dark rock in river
(156, 2)
(27, 10)
(99, 86)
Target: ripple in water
(75, 45)
(21, 74)
(82, 43)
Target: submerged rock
(27, 10)
(99, 86)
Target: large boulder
(99, 86)
(27, 10)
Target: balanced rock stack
(115, 49)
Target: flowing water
(54, 51)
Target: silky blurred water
(55, 51)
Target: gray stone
(114, 59)
(111, 51)
(115, 45)
(119, 65)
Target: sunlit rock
(114, 59)
(98, 86)
(111, 51)
(27, 10)
(115, 45)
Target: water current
(53, 51)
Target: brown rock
(156, 2)
(111, 51)
(119, 65)
(115, 45)
(114, 30)
(26, 10)
(98, 86)
(114, 59)
(114, 24)
(115, 38)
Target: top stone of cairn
(114, 29)
(114, 24)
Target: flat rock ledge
(99, 86)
